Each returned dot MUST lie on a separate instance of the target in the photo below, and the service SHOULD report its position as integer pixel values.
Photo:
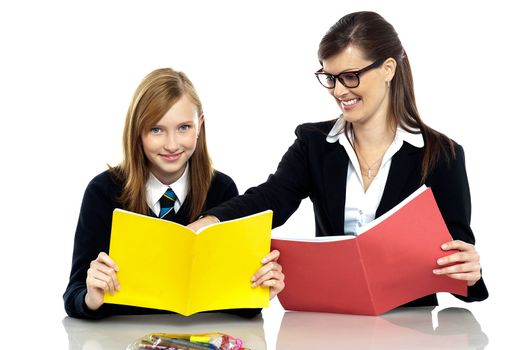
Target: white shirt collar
(337, 132)
(155, 189)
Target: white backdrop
(69, 68)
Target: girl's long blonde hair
(155, 95)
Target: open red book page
(323, 276)
(400, 253)
(386, 266)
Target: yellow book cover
(165, 265)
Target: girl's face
(370, 99)
(170, 143)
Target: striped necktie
(167, 202)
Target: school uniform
(318, 167)
(94, 230)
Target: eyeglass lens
(347, 79)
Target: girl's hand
(270, 274)
(101, 278)
(464, 264)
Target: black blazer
(93, 236)
(315, 168)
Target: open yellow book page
(230, 252)
(154, 258)
(165, 265)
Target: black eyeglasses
(348, 79)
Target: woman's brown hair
(154, 96)
(378, 39)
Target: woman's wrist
(207, 220)
(203, 221)
(211, 219)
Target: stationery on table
(164, 265)
(387, 265)
(205, 341)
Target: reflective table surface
(456, 328)
(405, 328)
(119, 331)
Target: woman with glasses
(377, 153)
(166, 173)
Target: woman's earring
(388, 83)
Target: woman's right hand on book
(101, 278)
(203, 222)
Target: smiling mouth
(350, 102)
(171, 157)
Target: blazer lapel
(335, 167)
(404, 166)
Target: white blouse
(361, 206)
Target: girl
(166, 172)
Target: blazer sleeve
(91, 237)
(222, 188)
(450, 186)
(282, 192)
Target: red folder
(386, 266)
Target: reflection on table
(119, 331)
(404, 328)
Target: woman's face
(170, 143)
(368, 101)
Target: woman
(166, 172)
(379, 151)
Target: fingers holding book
(101, 277)
(270, 274)
(464, 264)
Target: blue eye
(155, 130)
(184, 128)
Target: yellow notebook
(164, 265)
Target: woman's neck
(373, 137)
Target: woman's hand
(465, 264)
(270, 274)
(203, 222)
(101, 278)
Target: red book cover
(389, 264)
